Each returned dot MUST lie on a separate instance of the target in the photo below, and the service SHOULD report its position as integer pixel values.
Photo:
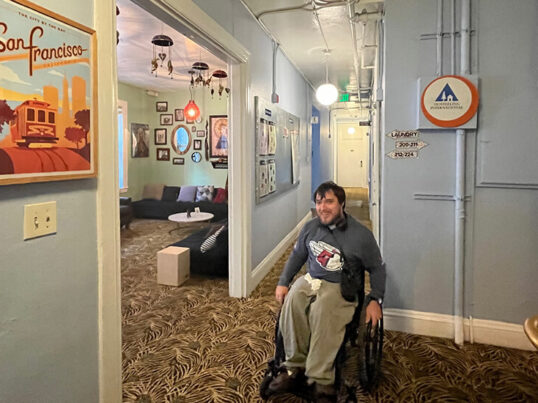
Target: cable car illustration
(34, 125)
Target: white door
(352, 155)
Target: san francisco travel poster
(47, 105)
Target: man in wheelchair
(319, 305)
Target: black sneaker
(325, 393)
(285, 382)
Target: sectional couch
(160, 201)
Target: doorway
(352, 155)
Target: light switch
(39, 219)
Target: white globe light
(351, 130)
(326, 94)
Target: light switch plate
(39, 219)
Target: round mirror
(196, 156)
(181, 139)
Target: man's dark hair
(338, 191)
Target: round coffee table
(181, 218)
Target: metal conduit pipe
(439, 39)
(459, 208)
(453, 37)
(356, 65)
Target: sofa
(159, 201)
(126, 212)
(208, 250)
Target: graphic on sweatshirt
(326, 255)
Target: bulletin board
(277, 150)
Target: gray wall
(48, 285)
(274, 219)
(502, 216)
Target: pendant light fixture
(326, 94)
(192, 112)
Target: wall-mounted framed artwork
(139, 140)
(44, 136)
(193, 129)
(178, 161)
(163, 154)
(160, 136)
(189, 122)
(167, 119)
(179, 115)
(200, 133)
(218, 136)
(161, 106)
(197, 144)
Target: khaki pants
(313, 324)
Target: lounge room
(173, 101)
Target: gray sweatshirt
(319, 245)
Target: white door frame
(201, 28)
(351, 116)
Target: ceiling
(300, 37)
(297, 32)
(135, 51)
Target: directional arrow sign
(396, 154)
(416, 144)
(404, 134)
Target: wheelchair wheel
(370, 360)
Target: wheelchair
(365, 339)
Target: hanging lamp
(192, 111)
(326, 93)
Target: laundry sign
(404, 134)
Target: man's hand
(373, 312)
(281, 292)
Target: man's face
(328, 208)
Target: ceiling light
(192, 112)
(327, 94)
(351, 130)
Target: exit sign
(344, 97)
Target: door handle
(361, 164)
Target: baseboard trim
(261, 270)
(439, 325)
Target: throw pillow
(222, 196)
(211, 240)
(204, 193)
(153, 191)
(187, 193)
(170, 193)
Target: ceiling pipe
(356, 63)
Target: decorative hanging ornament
(163, 41)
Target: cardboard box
(173, 265)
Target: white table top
(195, 217)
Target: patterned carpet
(195, 344)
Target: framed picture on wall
(218, 136)
(163, 154)
(197, 144)
(200, 133)
(167, 119)
(179, 114)
(139, 140)
(45, 137)
(189, 122)
(160, 136)
(178, 161)
(161, 106)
